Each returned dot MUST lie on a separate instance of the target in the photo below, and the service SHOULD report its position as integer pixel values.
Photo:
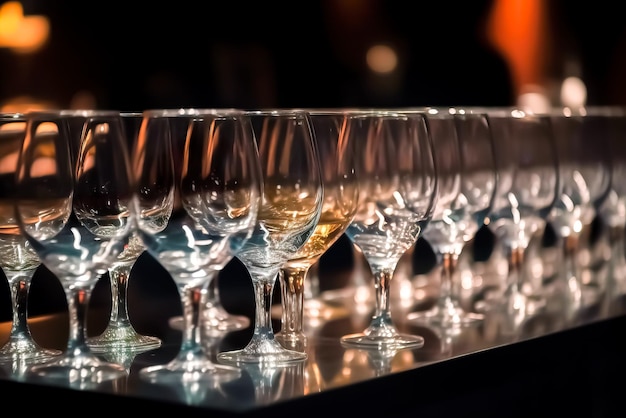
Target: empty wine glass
(292, 201)
(76, 212)
(398, 185)
(214, 316)
(18, 260)
(528, 183)
(466, 171)
(119, 334)
(585, 180)
(198, 193)
(612, 213)
(337, 154)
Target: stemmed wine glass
(18, 260)
(292, 203)
(119, 334)
(337, 154)
(398, 190)
(528, 183)
(198, 193)
(585, 181)
(612, 212)
(77, 214)
(214, 316)
(466, 170)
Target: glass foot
(217, 320)
(386, 342)
(26, 350)
(82, 372)
(196, 370)
(263, 351)
(453, 317)
(122, 337)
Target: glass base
(292, 340)
(386, 342)
(261, 351)
(122, 337)
(20, 349)
(82, 372)
(197, 370)
(215, 320)
(453, 317)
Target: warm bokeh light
(22, 34)
(518, 29)
(381, 59)
(573, 92)
(21, 104)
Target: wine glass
(119, 334)
(612, 213)
(292, 203)
(528, 183)
(466, 170)
(18, 260)
(585, 180)
(337, 154)
(77, 214)
(198, 193)
(398, 186)
(214, 316)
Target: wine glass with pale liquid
(337, 156)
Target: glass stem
(516, 265)
(77, 304)
(212, 296)
(263, 293)
(19, 284)
(292, 296)
(573, 280)
(191, 300)
(119, 275)
(616, 274)
(381, 322)
(447, 297)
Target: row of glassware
(85, 192)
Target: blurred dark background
(133, 55)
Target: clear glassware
(18, 260)
(292, 203)
(398, 190)
(341, 191)
(466, 170)
(585, 181)
(528, 183)
(198, 192)
(612, 213)
(214, 316)
(76, 210)
(119, 334)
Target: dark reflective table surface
(482, 369)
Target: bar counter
(538, 370)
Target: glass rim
(191, 111)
